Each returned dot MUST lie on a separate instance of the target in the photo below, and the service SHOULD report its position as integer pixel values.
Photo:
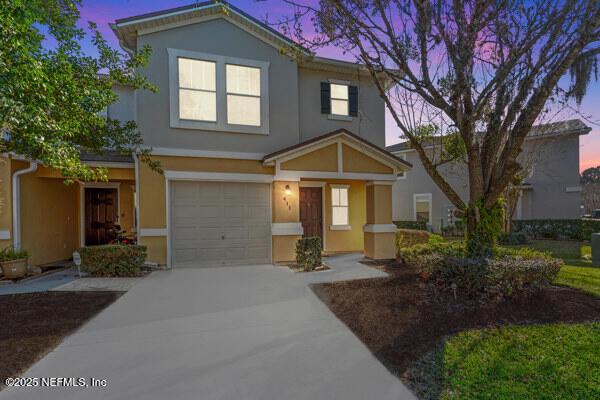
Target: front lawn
(555, 361)
(437, 347)
(578, 270)
(33, 324)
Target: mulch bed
(33, 324)
(398, 321)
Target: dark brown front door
(311, 211)
(100, 215)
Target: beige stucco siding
(379, 198)
(324, 159)
(346, 240)
(49, 219)
(355, 161)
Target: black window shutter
(325, 98)
(353, 98)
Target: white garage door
(220, 223)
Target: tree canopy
(53, 95)
(591, 175)
(481, 71)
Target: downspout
(16, 202)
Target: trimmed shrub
(521, 272)
(589, 226)
(552, 228)
(414, 254)
(308, 253)
(410, 237)
(513, 238)
(418, 225)
(113, 260)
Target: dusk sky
(105, 11)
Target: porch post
(380, 231)
(286, 228)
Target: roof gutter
(16, 202)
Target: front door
(311, 211)
(101, 213)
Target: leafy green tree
(52, 95)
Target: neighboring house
(551, 188)
(257, 149)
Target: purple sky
(104, 11)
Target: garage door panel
(220, 223)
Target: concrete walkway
(98, 284)
(227, 333)
(42, 283)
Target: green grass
(578, 271)
(526, 362)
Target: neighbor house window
(422, 207)
(339, 207)
(197, 90)
(218, 93)
(339, 99)
(243, 95)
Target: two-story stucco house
(258, 148)
(550, 190)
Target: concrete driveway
(239, 333)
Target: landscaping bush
(513, 238)
(410, 237)
(114, 260)
(415, 254)
(418, 225)
(577, 229)
(511, 272)
(308, 253)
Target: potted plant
(13, 263)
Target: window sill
(218, 127)
(340, 227)
(335, 117)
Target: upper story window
(218, 93)
(243, 95)
(197, 90)
(339, 100)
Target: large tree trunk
(483, 227)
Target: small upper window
(339, 205)
(197, 90)
(243, 95)
(339, 99)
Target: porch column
(380, 231)
(286, 228)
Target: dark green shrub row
(578, 229)
(418, 225)
(513, 238)
(308, 253)
(510, 273)
(113, 260)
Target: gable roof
(127, 30)
(269, 159)
(554, 129)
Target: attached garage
(219, 223)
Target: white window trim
(403, 176)
(428, 195)
(221, 124)
(345, 227)
(339, 117)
